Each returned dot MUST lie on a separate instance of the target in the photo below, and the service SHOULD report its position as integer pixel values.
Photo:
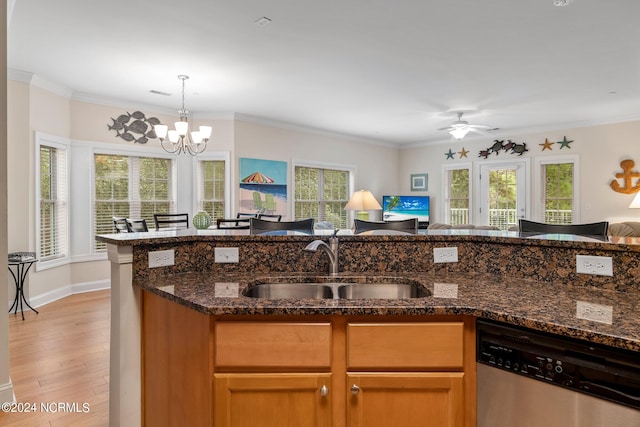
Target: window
(457, 195)
(322, 193)
(133, 187)
(211, 187)
(53, 208)
(557, 190)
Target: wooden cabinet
(433, 399)
(272, 400)
(301, 371)
(404, 393)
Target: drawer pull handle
(324, 391)
(355, 390)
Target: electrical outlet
(449, 254)
(226, 255)
(598, 265)
(594, 312)
(161, 258)
(445, 290)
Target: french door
(503, 193)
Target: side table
(22, 262)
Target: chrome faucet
(331, 249)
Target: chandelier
(180, 139)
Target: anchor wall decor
(628, 175)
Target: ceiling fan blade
(484, 132)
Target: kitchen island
(523, 280)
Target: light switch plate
(161, 258)
(226, 255)
(597, 265)
(449, 254)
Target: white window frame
(351, 169)
(538, 203)
(445, 191)
(224, 156)
(61, 144)
(102, 149)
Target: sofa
(624, 229)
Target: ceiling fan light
(459, 132)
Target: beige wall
(600, 150)
(377, 167)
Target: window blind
(131, 187)
(211, 186)
(53, 240)
(322, 193)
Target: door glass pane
(503, 198)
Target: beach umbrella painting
(258, 178)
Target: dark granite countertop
(484, 236)
(536, 305)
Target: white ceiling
(393, 71)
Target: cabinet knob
(324, 391)
(355, 390)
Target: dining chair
(232, 223)
(407, 225)
(171, 221)
(258, 226)
(592, 229)
(246, 215)
(120, 224)
(270, 217)
(136, 225)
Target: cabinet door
(411, 399)
(272, 400)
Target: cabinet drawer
(273, 345)
(405, 346)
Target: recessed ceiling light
(263, 21)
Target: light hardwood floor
(61, 356)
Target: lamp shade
(635, 203)
(362, 201)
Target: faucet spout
(330, 249)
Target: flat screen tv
(395, 208)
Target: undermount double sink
(336, 290)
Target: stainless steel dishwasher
(528, 378)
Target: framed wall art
(419, 182)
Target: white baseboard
(6, 393)
(65, 291)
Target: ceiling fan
(459, 128)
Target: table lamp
(362, 201)
(635, 203)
